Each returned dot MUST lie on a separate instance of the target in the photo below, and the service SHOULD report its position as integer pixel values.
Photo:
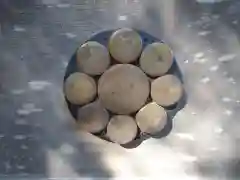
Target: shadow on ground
(33, 142)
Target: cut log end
(166, 90)
(122, 129)
(93, 117)
(93, 58)
(80, 88)
(152, 118)
(123, 89)
(156, 59)
(125, 45)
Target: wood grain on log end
(156, 59)
(93, 58)
(80, 88)
(92, 117)
(166, 90)
(152, 118)
(125, 45)
(123, 89)
(122, 129)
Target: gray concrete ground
(37, 138)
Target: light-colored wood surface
(80, 88)
(92, 58)
(123, 89)
(125, 45)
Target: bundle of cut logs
(132, 88)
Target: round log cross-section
(80, 88)
(123, 89)
(122, 129)
(92, 117)
(93, 58)
(156, 59)
(166, 90)
(125, 45)
(152, 118)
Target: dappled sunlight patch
(21, 122)
(19, 29)
(214, 68)
(185, 136)
(57, 166)
(19, 137)
(204, 33)
(67, 149)
(26, 109)
(70, 35)
(63, 5)
(205, 80)
(228, 112)
(17, 91)
(38, 85)
(227, 57)
(122, 17)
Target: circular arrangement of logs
(121, 89)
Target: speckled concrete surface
(37, 138)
